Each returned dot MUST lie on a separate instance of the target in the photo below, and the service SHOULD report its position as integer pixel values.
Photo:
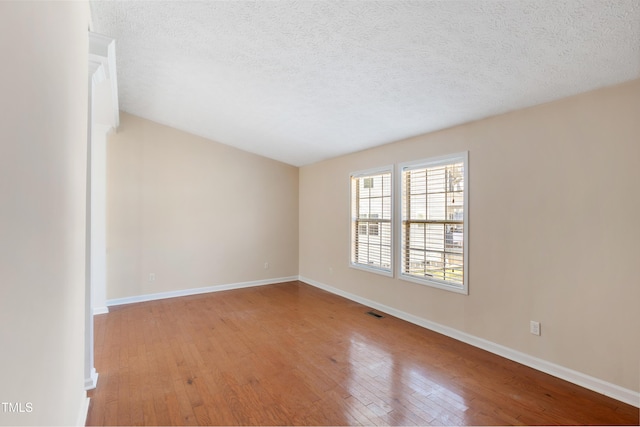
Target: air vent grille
(374, 314)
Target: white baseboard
(603, 387)
(100, 310)
(196, 291)
(84, 411)
(92, 382)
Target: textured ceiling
(302, 81)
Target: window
(434, 224)
(371, 226)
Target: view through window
(433, 222)
(371, 225)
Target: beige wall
(194, 212)
(43, 134)
(553, 226)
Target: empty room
(320, 213)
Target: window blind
(371, 226)
(433, 222)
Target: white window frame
(400, 214)
(352, 221)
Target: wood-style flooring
(291, 354)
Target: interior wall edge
(595, 384)
(84, 411)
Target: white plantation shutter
(434, 222)
(371, 225)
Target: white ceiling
(302, 81)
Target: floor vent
(374, 314)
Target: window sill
(380, 271)
(461, 289)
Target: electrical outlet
(266, 265)
(534, 327)
(152, 277)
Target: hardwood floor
(291, 354)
